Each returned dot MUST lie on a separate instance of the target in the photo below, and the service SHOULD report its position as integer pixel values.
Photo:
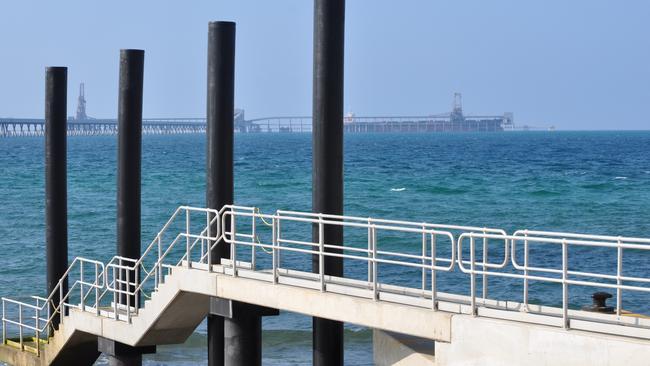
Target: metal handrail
(49, 306)
(563, 275)
(133, 286)
(120, 277)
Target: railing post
(81, 285)
(321, 256)
(485, 262)
(4, 324)
(233, 245)
(117, 285)
(472, 260)
(525, 268)
(61, 307)
(97, 289)
(274, 241)
(565, 286)
(210, 243)
(424, 256)
(369, 254)
(159, 269)
(434, 292)
(38, 338)
(278, 235)
(128, 296)
(375, 294)
(187, 237)
(20, 326)
(619, 282)
(253, 233)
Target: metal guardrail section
(55, 304)
(266, 247)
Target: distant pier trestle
(15, 127)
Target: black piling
(327, 145)
(219, 154)
(56, 195)
(235, 334)
(129, 155)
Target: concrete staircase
(168, 317)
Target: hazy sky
(572, 64)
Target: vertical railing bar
(37, 333)
(187, 238)
(136, 293)
(202, 250)
(565, 286)
(233, 246)
(97, 289)
(619, 282)
(128, 296)
(20, 326)
(279, 235)
(472, 273)
(424, 255)
(370, 277)
(116, 289)
(375, 294)
(161, 279)
(321, 256)
(61, 308)
(209, 231)
(4, 324)
(81, 285)
(434, 291)
(274, 253)
(253, 247)
(525, 269)
(485, 261)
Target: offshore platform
(455, 121)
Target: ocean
(586, 182)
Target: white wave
(398, 189)
(621, 178)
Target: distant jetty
(455, 121)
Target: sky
(571, 64)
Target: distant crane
(456, 114)
(81, 105)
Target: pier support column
(119, 354)
(219, 154)
(233, 338)
(56, 194)
(129, 156)
(327, 170)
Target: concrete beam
(229, 309)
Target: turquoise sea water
(591, 182)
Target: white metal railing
(259, 241)
(55, 304)
(123, 274)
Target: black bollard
(599, 303)
(219, 152)
(129, 155)
(56, 195)
(327, 145)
